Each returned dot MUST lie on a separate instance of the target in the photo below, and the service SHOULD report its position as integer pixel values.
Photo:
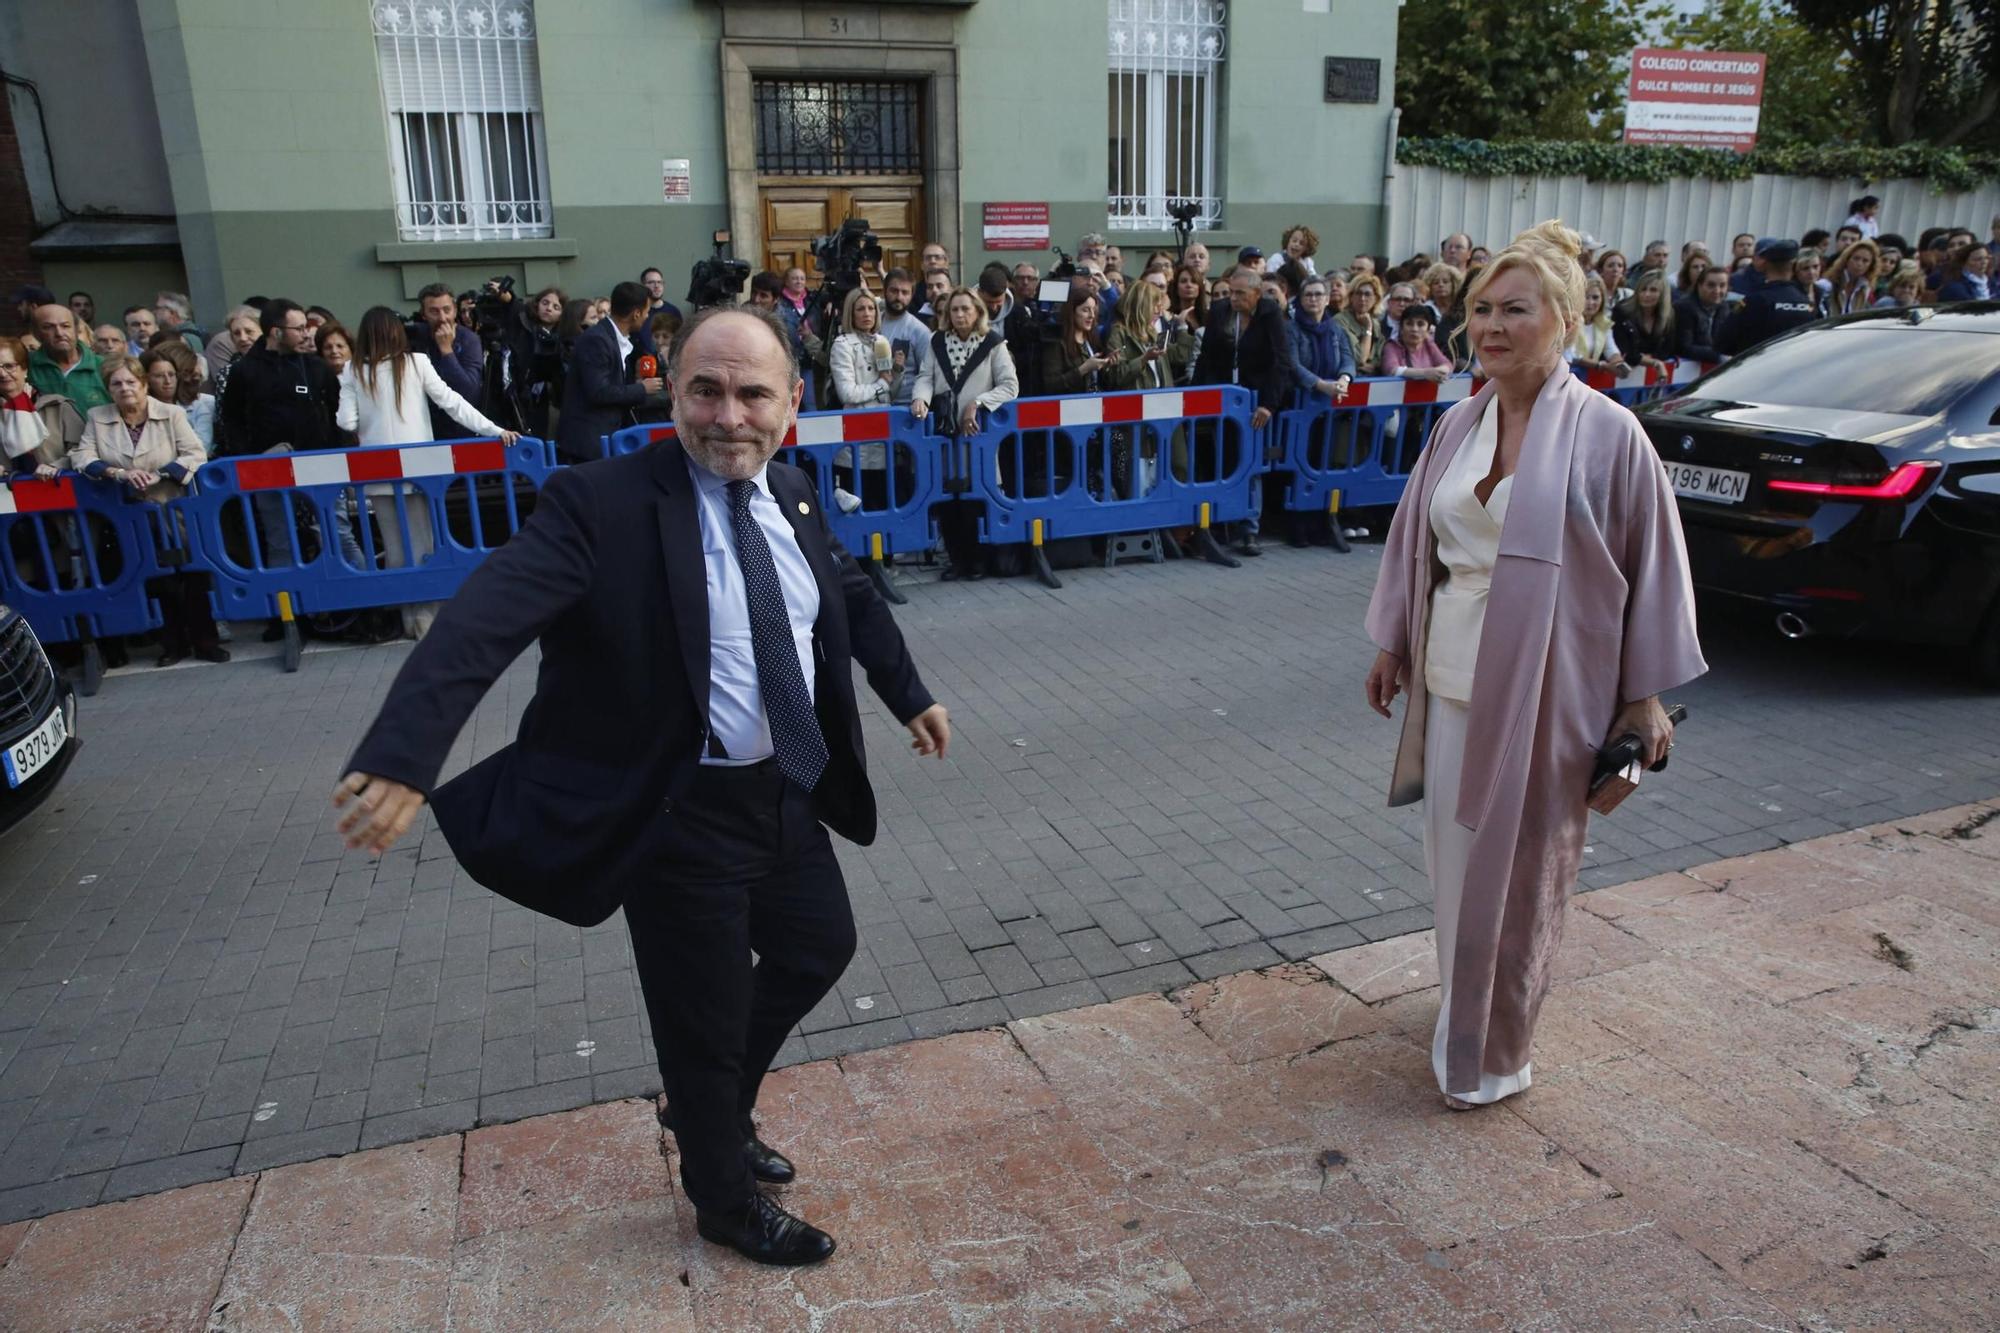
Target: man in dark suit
(1247, 343)
(693, 726)
(602, 388)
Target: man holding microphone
(603, 389)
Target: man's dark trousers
(748, 867)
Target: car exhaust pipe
(1792, 625)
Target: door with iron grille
(833, 149)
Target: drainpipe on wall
(1389, 179)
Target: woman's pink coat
(1591, 607)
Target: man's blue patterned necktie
(795, 733)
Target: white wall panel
(1427, 203)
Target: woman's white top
(1468, 542)
(1868, 227)
(1593, 341)
(856, 381)
(379, 416)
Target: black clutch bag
(1618, 768)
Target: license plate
(1714, 484)
(25, 757)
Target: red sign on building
(1710, 99)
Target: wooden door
(798, 211)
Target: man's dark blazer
(1265, 363)
(609, 575)
(599, 394)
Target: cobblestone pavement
(1762, 1099)
(1159, 775)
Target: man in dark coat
(1247, 343)
(693, 728)
(279, 397)
(455, 352)
(602, 388)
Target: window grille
(462, 91)
(1166, 77)
(817, 127)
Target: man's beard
(735, 457)
(895, 307)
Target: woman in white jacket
(385, 398)
(859, 377)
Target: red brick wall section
(17, 221)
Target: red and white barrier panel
(1393, 392)
(859, 427)
(38, 497)
(1635, 377)
(352, 466)
(1109, 409)
(1680, 372)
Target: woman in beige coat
(141, 443)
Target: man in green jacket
(64, 365)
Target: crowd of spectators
(144, 401)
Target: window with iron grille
(824, 127)
(462, 90)
(1166, 84)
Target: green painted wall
(1288, 157)
(281, 163)
(278, 154)
(114, 283)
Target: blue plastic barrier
(1091, 465)
(289, 534)
(1359, 452)
(78, 554)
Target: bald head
(55, 325)
(736, 389)
(737, 319)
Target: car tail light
(1905, 481)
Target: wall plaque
(1353, 79)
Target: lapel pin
(804, 508)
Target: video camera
(490, 304)
(719, 279)
(1183, 212)
(840, 257)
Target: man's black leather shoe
(765, 1233)
(767, 1163)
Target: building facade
(347, 152)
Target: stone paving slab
(1162, 775)
(1709, 1144)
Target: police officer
(1777, 306)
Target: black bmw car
(1846, 476)
(37, 721)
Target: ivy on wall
(1946, 170)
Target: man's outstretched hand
(932, 729)
(383, 810)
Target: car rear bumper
(1932, 585)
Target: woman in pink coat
(1534, 600)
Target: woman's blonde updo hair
(1554, 254)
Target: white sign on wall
(676, 182)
